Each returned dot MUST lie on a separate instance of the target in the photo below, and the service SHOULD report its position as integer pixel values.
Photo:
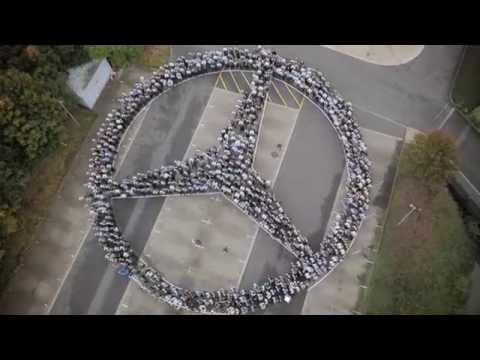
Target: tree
(32, 82)
(28, 58)
(431, 158)
(11, 191)
(30, 118)
(45, 63)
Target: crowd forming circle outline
(227, 168)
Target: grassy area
(120, 56)
(154, 56)
(41, 189)
(466, 90)
(424, 264)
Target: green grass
(150, 56)
(41, 189)
(119, 55)
(423, 265)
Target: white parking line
(440, 113)
(380, 116)
(380, 133)
(246, 80)
(447, 117)
(291, 93)
(235, 81)
(245, 262)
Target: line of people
(228, 168)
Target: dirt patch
(155, 56)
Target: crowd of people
(227, 167)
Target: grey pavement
(411, 94)
(388, 99)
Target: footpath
(387, 55)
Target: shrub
(431, 158)
(119, 56)
(30, 118)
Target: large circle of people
(227, 168)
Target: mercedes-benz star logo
(227, 168)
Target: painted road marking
(447, 117)
(216, 81)
(291, 93)
(381, 116)
(223, 81)
(279, 95)
(235, 81)
(245, 78)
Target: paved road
(387, 99)
(411, 94)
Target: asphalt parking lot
(386, 101)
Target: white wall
(90, 94)
(88, 87)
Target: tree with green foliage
(32, 84)
(30, 118)
(431, 158)
(28, 58)
(119, 56)
(48, 64)
(11, 191)
(30, 121)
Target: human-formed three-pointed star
(226, 168)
